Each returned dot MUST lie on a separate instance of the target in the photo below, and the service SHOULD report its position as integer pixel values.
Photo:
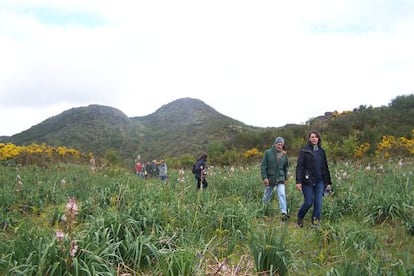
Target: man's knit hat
(279, 140)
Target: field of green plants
(68, 220)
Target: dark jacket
(273, 170)
(200, 167)
(306, 168)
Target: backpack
(197, 166)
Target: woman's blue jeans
(280, 189)
(312, 194)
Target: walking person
(274, 171)
(147, 170)
(200, 171)
(139, 169)
(162, 171)
(312, 177)
(153, 172)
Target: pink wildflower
(73, 248)
(60, 235)
(71, 209)
(72, 206)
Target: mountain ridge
(187, 127)
(187, 123)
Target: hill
(184, 126)
(187, 126)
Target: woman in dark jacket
(200, 171)
(312, 177)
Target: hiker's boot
(285, 217)
(299, 223)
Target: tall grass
(270, 252)
(127, 225)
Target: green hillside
(186, 127)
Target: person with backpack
(274, 171)
(200, 171)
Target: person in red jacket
(139, 169)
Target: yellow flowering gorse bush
(10, 151)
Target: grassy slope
(366, 224)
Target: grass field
(67, 220)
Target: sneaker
(285, 217)
(299, 223)
(315, 223)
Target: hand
(299, 186)
(266, 182)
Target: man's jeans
(312, 194)
(268, 195)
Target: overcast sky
(265, 63)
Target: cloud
(248, 60)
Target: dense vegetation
(59, 216)
(71, 220)
(179, 131)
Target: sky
(264, 63)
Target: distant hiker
(153, 169)
(140, 169)
(200, 171)
(312, 177)
(162, 171)
(147, 169)
(274, 171)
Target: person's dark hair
(203, 156)
(313, 131)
